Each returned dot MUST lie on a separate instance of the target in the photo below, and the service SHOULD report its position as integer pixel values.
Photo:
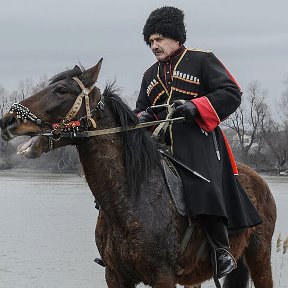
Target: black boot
(217, 237)
(99, 261)
(224, 262)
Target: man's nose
(154, 45)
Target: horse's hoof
(99, 261)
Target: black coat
(200, 77)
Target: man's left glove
(145, 116)
(185, 108)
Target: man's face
(162, 47)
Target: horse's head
(63, 106)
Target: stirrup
(230, 260)
(214, 259)
(99, 261)
(232, 265)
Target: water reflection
(47, 226)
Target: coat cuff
(209, 118)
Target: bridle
(75, 109)
(69, 128)
(67, 124)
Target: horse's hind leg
(239, 277)
(260, 268)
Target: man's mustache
(157, 50)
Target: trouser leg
(217, 237)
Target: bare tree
(282, 105)
(3, 144)
(4, 100)
(247, 119)
(276, 138)
(276, 133)
(27, 87)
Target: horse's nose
(9, 121)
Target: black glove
(185, 108)
(145, 116)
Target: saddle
(175, 186)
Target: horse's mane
(76, 71)
(140, 152)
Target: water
(47, 224)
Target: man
(202, 90)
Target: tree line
(257, 132)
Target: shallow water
(47, 226)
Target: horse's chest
(127, 255)
(123, 249)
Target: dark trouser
(216, 234)
(215, 231)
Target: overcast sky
(46, 37)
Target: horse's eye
(60, 90)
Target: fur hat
(167, 21)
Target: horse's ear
(93, 72)
(76, 71)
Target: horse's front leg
(115, 281)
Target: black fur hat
(167, 21)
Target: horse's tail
(239, 277)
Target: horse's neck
(102, 161)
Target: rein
(114, 130)
(70, 129)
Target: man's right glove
(186, 109)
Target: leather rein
(69, 128)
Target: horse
(138, 231)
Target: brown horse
(138, 231)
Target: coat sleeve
(223, 94)
(143, 100)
